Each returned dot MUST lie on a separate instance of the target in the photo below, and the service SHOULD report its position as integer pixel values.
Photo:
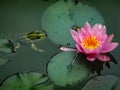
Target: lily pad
(63, 15)
(3, 61)
(83, 12)
(25, 81)
(104, 82)
(62, 74)
(57, 23)
(6, 46)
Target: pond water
(17, 17)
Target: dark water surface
(17, 17)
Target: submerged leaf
(24, 81)
(62, 73)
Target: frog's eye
(77, 28)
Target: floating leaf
(25, 81)
(104, 82)
(62, 74)
(57, 23)
(83, 12)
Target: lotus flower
(94, 42)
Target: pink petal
(100, 32)
(103, 57)
(75, 36)
(95, 28)
(86, 51)
(87, 27)
(83, 33)
(79, 48)
(109, 47)
(110, 37)
(103, 29)
(91, 58)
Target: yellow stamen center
(91, 42)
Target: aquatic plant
(63, 15)
(94, 42)
(27, 81)
(87, 46)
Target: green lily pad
(3, 61)
(104, 82)
(57, 23)
(84, 12)
(6, 46)
(63, 15)
(25, 81)
(60, 72)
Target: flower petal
(110, 37)
(75, 36)
(103, 29)
(100, 32)
(79, 48)
(87, 27)
(91, 58)
(109, 47)
(95, 27)
(102, 41)
(103, 57)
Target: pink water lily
(94, 42)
